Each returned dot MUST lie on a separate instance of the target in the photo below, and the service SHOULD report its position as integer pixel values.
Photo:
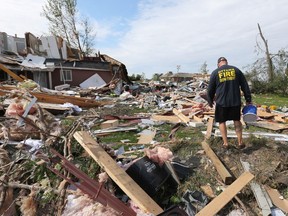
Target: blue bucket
(249, 113)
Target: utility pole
(178, 68)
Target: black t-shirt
(226, 82)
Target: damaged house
(50, 62)
(183, 77)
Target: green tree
(132, 77)
(63, 22)
(260, 78)
(138, 77)
(156, 77)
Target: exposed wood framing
(10, 73)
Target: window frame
(64, 74)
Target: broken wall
(11, 43)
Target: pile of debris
(54, 160)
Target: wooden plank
(82, 102)
(280, 119)
(277, 201)
(221, 169)
(209, 113)
(180, 115)
(221, 200)
(61, 99)
(261, 199)
(23, 77)
(165, 118)
(209, 127)
(117, 174)
(113, 130)
(110, 124)
(11, 73)
(270, 125)
(197, 119)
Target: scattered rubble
(145, 151)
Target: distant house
(50, 62)
(183, 77)
(177, 77)
(166, 76)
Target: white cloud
(18, 17)
(188, 33)
(168, 33)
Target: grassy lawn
(270, 99)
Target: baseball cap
(222, 59)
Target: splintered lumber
(262, 201)
(222, 171)
(82, 102)
(181, 116)
(61, 99)
(209, 127)
(221, 200)
(117, 174)
(165, 118)
(10, 73)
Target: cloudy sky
(154, 36)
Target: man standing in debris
(224, 87)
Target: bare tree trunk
(268, 57)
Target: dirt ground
(268, 161)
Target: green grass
(270, 99)
(118, 136)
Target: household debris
(67, 133)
